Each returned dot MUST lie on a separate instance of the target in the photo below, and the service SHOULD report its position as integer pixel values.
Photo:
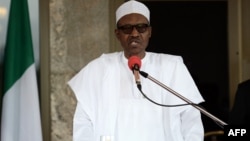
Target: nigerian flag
(20, 109)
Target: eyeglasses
(128, 28)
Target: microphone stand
(217, 120)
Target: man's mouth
(133, 43)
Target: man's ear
(150, 31)
(117, 34)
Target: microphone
(134, 63)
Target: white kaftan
(109, 103)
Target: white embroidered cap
(130, 7)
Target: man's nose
(134, 32)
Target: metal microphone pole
(144, 74)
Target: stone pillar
(79, 32)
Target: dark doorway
(196, 30)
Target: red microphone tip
(134, 60)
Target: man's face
(133, 32)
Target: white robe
(109, 103)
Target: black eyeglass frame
(128, 28)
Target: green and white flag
(20, 110)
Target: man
(109, 103)
(240, 114)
